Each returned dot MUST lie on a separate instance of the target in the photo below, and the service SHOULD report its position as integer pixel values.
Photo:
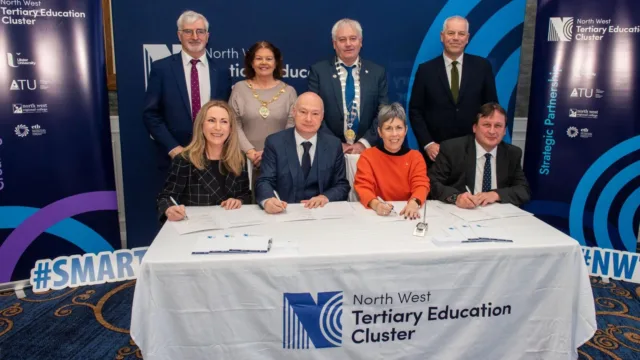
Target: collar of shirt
(186, 59)
(300, 139)
(356, 64)
(448, 61)
(480, 151)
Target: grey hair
(458, 17)
(343, 22)
(189, 17)
(390, 112)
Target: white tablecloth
(344, 283)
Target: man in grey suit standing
(351, 88)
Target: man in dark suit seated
(448, 90)
(351, 88)
(301, 164)
(178, 86)
(483, 163)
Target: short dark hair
(249, 73)
(488, 109)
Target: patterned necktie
(306, 159)
(195, 89)
(455, 81)
(350, 94)
(486, 178)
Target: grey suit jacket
(324, 81)
(455, 168)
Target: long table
(351, 289)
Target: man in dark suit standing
(481, 162)
(351, 88)
(448, 90)
(301, 164)
(178, 86)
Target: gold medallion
(264, 112)
(350, 135)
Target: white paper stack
(195, 223)
(231, 243)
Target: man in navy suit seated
(352, 89)
(178, 86)
(301, 164)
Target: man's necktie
(195, 89)
(486, 178)
(306, 159)
(350, 95)
(455, 81)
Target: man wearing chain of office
(352, 89)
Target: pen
(176, 204)
(278, 197)
(386, 203)
(469, 191)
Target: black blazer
(324, 81)
(455, 168)
(433, 114)
(192, 187)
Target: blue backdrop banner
(583, 142)
(397, 35)
(57, 188)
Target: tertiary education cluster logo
(573, 132)
(560, 29)
(587, 93)
(312, 323)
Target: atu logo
(155, 52)
(560, 29)
(309, 323)
(587, 93)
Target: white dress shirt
(300, 149)
(356, 81)
(480, 160)
(203, 77)
(448, 66)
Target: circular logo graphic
(572, 131)
(22, 130)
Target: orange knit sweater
(393, 178)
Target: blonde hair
(232, 158)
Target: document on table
(463, 233)
(489, 212)
(505, 210)
(370, 215)
(332, 210)
(231, 243)
(195, 223)
(245, 216)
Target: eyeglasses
(189, 32)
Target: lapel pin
(335, 76)
(366, 71)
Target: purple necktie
(195, 89)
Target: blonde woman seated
(390, 170)
(210, 170)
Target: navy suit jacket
(433, 114)
(455, 168)
(167, 108)
(280, 166)
(324, 81)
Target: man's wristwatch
(452, 199)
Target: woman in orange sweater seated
(390, 170)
